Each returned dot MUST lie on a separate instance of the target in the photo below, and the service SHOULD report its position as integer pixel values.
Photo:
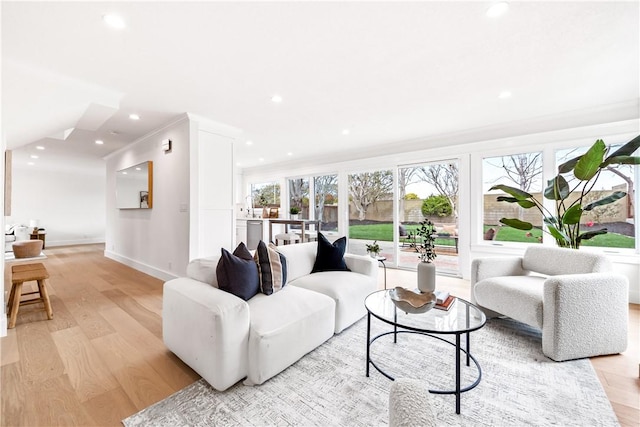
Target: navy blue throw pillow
(237, 273)
(330, 257)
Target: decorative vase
(374, 254)
(294, 216)
(426, 277)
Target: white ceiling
(387, 71)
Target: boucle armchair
(573, 296)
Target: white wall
(154, 240)
(70, 206)
(192, 214)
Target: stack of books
(444, 300)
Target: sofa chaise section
(208, 329)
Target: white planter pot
(426, 277)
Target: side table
(40, 235)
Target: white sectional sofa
(225, 339)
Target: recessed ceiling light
(238, 164)
(134, 117)
(124, 173)
(138, 169)
(261, 159)
(504, 94)
(497, 9)
(99, 141)
(345, 131)
(249, 142)
(289, 153)
(276, 98)
(31, 163)
(114, 21)
(33, 156)
(39, 147)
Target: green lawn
(609, 240)
(383, 232)
(508, 234)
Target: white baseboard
(54, 243)
(140, 266)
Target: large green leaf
(590, 234)
(524, 203)
(551, 221)
(572, 215)
(568, 166)
(557, 188)
(606, 200)
(626, 150)
(515, 192)
(622, 160)
(589, 163)
(507, 199)
(516, 223)
(557, 234)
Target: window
(264, 196)
(371, 211)
(617, 217)
(522, 171)
(429, 191)
(326, 201)
(299, 196)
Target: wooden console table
(40, 235)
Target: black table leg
(395, 325)
(458, 373)
(368, 339)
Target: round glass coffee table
(461, 319)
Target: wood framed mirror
(134, 187)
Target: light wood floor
(102, 359)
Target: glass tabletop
(461, 317)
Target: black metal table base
(459, 389)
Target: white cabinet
(241, 231)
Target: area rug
(328, 387)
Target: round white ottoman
(410, 404)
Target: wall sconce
(166, 145)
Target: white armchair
(573, 296)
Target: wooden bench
(25, 273)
